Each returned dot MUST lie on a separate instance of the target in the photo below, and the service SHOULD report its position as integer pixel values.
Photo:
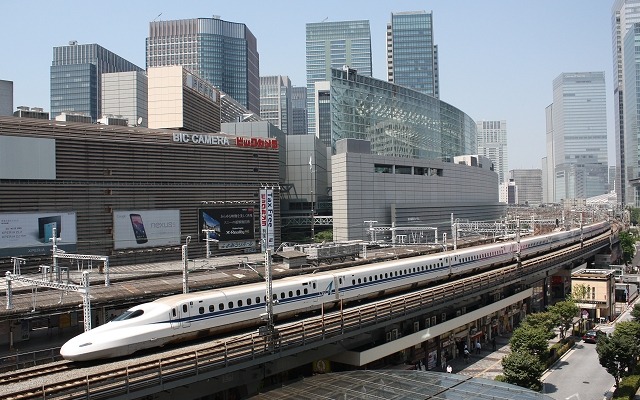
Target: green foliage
(634, 214)
(618, 352)
(499, 378)
(523, 369)
(635, 313)
(544, 320)
(529, 339)
(323, 236)
(558, 349)
(627, 388)
(564, 312)
(627, 243)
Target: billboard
(267, 235)
(226, 224)
(25, 234)
(145, 228)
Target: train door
(175, 317)
(185, 315)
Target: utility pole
(185, 265)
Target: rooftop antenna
(324, 20)
(158, 16)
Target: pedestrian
(449, 369)
(493, 343)
(466, 355)
(478, 347)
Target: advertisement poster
(24, 234)
(267, 234)
(146, 228)
(226, 224)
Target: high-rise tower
(334, 45)
(624, 14)
(76, 77)
(492, 143)
(223, 53)
(275, 101)
(412, 56)
(579, 121)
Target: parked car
(592, 336)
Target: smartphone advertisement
(146, 228)
(226, 224)
(24, 234)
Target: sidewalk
(487, 364)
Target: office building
(165, 179)
(579, 124)
(548, 164)
(631, 108)
(299, 110)
(508, 193)
(398, 121)
(6, 98)
(76, 77)
(124, 95)
(492, 143)
(334, 45)
(625, 13)
(179, 99)
(412, 56)
(223, 53)
(275, 101)
(529, 184)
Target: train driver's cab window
(129, 315)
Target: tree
(323, 236)
(617, 354)
(529, 339)
(564, 311)
(627, 244)
(634, 214)
(544, 320)
(635, 313)
(523, 369)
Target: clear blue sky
(498, 58)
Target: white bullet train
(198, 314)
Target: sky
(497, 58)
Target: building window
(383, 169)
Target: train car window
(211, 308)
(258, 300)
(184, 308)
(298, 292)
(376, 276)
(314, 285)
(248, 302)
(275, 296)
(128, 315)
(239, 303)
(290, 293)
(364, 279)
(230, 305)
(305, 291)
(220, 306)
(353, 281)
(173, 311)
(201, 310)
(359, 281)
(340, 280)
(282, 295)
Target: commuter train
(187, 316)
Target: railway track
(163, 371)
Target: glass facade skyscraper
(333, 45)
(412, 57)
(223, 53)
(76, 77)
(631, 110)
(275, 101)
(299, 110)
(398, 121)
(579, 120)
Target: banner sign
(267, 234)
(226, 224)
(25, 234)
(145, 228)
